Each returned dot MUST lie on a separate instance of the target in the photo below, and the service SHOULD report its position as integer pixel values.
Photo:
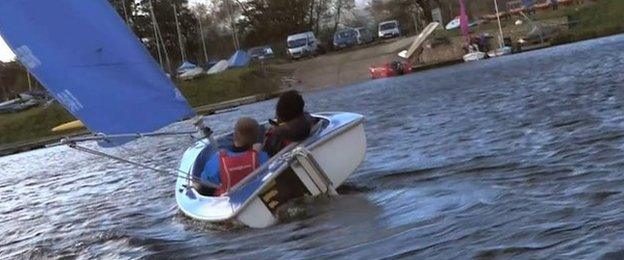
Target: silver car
(389, 29)
(364, 36)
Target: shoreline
(43, 142)
(25, 146)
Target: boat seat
(201, 161)
(317, 126)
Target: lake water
(520, 156)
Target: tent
(239, 59)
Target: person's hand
(196, 185)
(257, 147)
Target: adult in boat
(231, 165)
(293, 123)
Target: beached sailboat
(404, 66)
(89, 60)
(21, 103)
(419, 41)
(474, 54)
(187, 70)
(502, 50)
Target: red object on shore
(391, 69)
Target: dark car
(345, 38)
(261, 52)
(364, 36)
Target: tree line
(227, 25)
(230, 24)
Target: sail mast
(160, 38)
(234, 34)
(175, 12)
(500, 28)
(201, 32)
(156, 38)
(29, 82)
(463, 21)
(123, 4)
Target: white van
(302, 44)
(389, 29)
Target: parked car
(345, 38)
(302, 44)
(389, 29)
(260, 52)
(364, 36)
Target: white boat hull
(499, 52)
(219, 67)
(337, 149)
(418, 42)
(474, 56)
(191, 74)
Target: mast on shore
(123, 5)
(162, 50)
(234, 34)
(175, 12)
(500, 28)
(201, 32)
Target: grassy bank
(231, 84)
(31, 124)
(606, 17)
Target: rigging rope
(179, 174)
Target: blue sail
(90, 61)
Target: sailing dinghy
(89, 60)
(502, 49)
(318, 165)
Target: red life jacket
(235, 168)
(280, 143)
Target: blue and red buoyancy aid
(234, 169)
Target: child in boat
(229, 166)
(293, 123)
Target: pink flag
(463, 20)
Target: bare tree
(340, 6)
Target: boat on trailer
(89, 60)
(318, 165)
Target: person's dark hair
(289, 106)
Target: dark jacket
(280, 136)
